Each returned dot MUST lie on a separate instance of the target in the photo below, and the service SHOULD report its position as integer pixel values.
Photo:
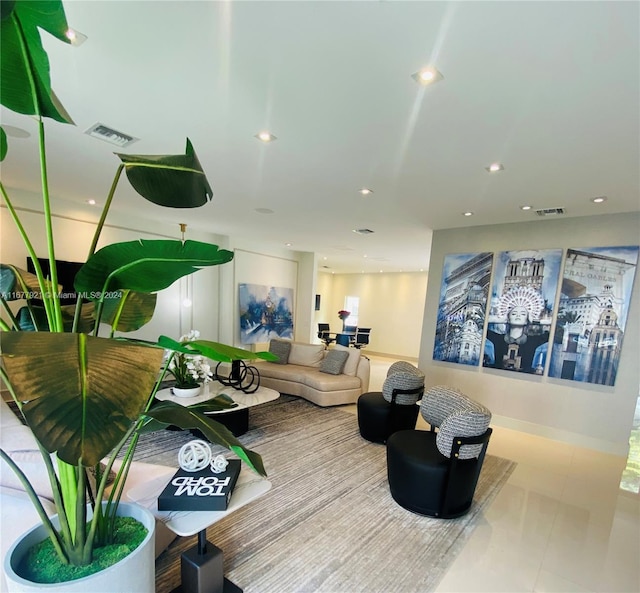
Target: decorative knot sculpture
(196, 455)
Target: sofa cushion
(333, 363)
(285, 372)
(309, 355)
(351, 366)
(32, 464)
(327, 383)
(282, 349)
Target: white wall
(269, 265)
(391, 304)
(73, 228)
(595, 416)
(214, 291)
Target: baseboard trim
(620, 449)
(411, 359)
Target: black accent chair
(362, 337)
(435, 472)
(381, 413)
(323, 334)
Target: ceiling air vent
(110, 135)
(363, 231)
(549, 211)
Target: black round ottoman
(420, 477)
(378, 418)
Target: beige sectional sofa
(307, 374)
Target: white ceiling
(550, 89)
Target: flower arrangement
(343, 314)
(189, 370)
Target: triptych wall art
(463, 302)
(593, 309)
(266, 312)
(595, 286)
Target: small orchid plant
(189, 370)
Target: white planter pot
(133, 574)
(189, 392)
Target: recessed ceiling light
(365, 191)
(599, 199)
(91, 202)
(525, 208)
(287, 244)
(75, 37)
(427, 75)
(467, 214)
(264, 211)
(495, 167)
(265, 136)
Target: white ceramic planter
(189, 392)
(133, 574)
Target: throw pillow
(351, 366)
(281, 349)
(308, 355)
(334, 362)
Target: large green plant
(85, 397)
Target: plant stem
(30, 251)
(55, 323)
(105, 210)
(10, 314)
(46, 522)
(118, 313)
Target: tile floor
(560, 523)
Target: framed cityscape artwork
(592, 314)
(461, 312)
(265, 313)
(523, 294)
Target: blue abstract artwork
(266, 312)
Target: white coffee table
(235, 419)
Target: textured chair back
(405, 381)
(455, 415)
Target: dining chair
(323, 334)
(362, 337)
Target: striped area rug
(329, 523)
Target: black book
(200, 491)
